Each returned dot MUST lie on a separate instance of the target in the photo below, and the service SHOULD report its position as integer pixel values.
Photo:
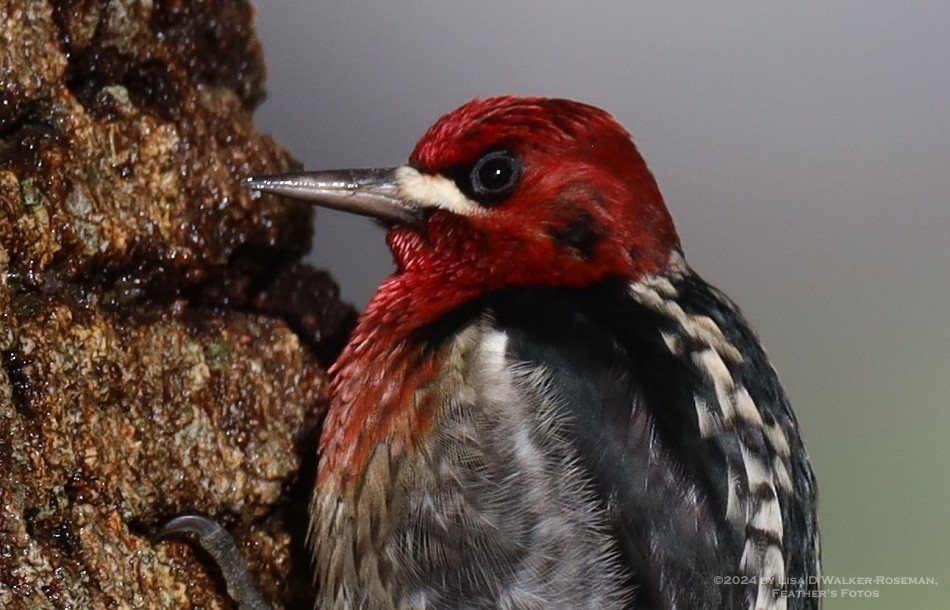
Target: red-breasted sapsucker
(544, 406)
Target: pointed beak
(368, 192)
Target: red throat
(375, 378)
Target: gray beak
(368, 192)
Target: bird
(544, 406)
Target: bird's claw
(219, 544)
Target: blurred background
(804, 151)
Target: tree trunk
(162, 346)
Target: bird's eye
(494, 176)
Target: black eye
(494, 176)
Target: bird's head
(507, 192)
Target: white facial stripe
(429, 191)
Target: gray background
(804, 151)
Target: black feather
(630, 401)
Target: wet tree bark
(163, 348)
